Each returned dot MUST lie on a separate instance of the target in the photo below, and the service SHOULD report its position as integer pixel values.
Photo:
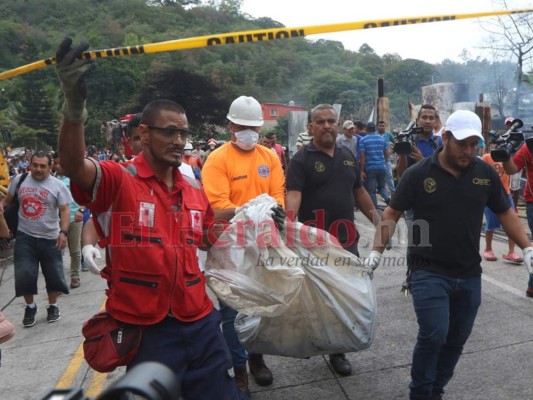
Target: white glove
(528, 259)
(89, 253)
(373, 260)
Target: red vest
(151, 238)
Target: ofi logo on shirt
(263, 171)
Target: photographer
(524, 159)
(425, 143)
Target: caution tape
(260, 35)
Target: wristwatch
(64, 232)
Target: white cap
(188, 146)
(348, 124)
(509, 119)
(464, 124)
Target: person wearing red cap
(448, 192)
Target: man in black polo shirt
(447, 192)
(323, 187)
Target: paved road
(497, 362)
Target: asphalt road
(497, 363)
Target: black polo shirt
(327, 185)
(448, 214)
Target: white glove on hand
(528, 259)
(89, 253)
(373, 260)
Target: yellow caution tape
(260, 35)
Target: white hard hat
(188, 146)
(246, 111)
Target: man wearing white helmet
(448, 192)
(192, 160)
(235, 173)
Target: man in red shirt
(152, 219)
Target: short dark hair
(358, 124)
(426, 107)
(41, 154)
(270, 135)
(133, 123)
(152, 110)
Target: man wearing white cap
(348, 138)
(447, 192)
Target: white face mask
(187, 152)
(246, 139)
(212, 146)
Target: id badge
(146, 214)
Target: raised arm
(71, 70)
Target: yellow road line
(67, 379)
(97, 381)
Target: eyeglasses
(171, 132)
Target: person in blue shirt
(373, 151)
(425, 143)
(389, 180)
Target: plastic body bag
(298, 293)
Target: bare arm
(225, 214)
(365, 204)
(386, 229)
(89, 234)
(510, 167)
(4, 229)
(514, 228)
(72, 149)
(401, 166)
(64, 215)
(293, 199)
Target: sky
(431, 42)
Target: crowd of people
(154, 276)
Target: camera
(404, 140)
(509, 142)
(149, 380)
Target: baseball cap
(464, 124)
(348, 125)
(371, 126)
(509, 119)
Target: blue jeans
(445, 309)
(196, 352)
(30, 252)
(375, 181)
(238, 353)
(389, 180)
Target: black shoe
(53, 313)
(436, 397)
(241, 380)
(259, 370)
(29, 316)
(340, 364)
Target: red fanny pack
(109, 343)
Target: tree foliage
(204, 80)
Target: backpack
(11, 211)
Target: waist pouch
(109, 343)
